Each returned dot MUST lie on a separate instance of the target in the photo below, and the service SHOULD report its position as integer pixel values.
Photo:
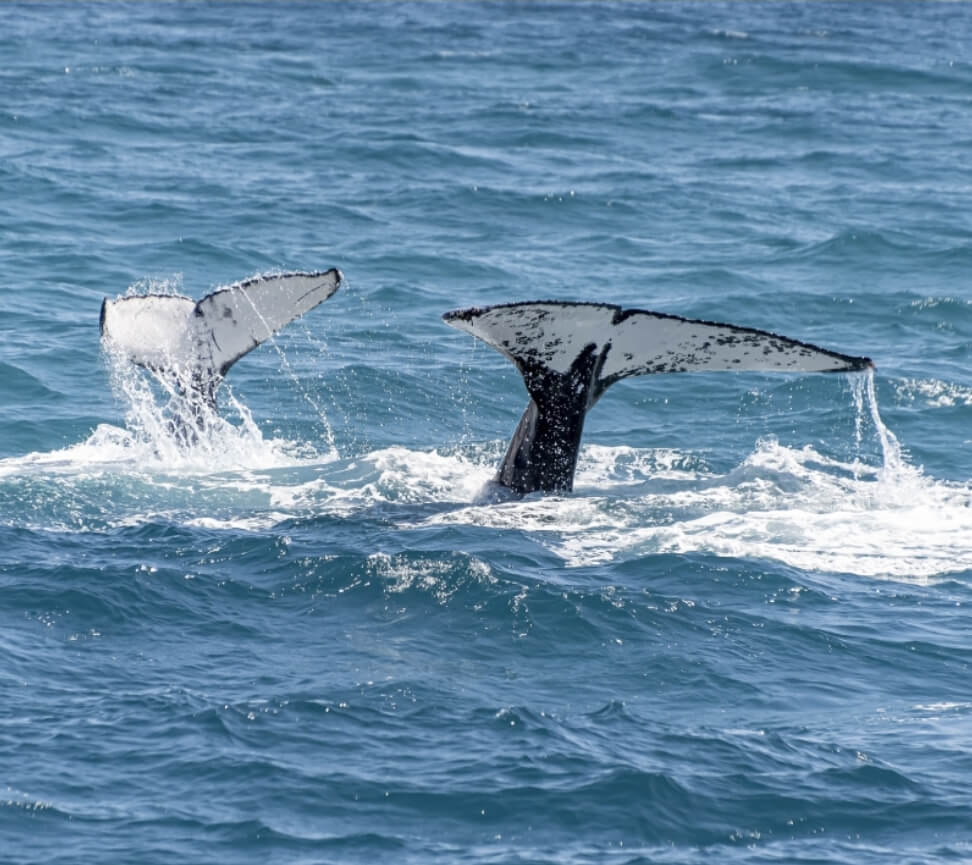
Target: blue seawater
(744, 638)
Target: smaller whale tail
(570, 353)
(196, 343)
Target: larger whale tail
(570, 353)
(196, 343)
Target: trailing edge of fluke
(570, 353)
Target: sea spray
(168, 429)
(897, 480)
(297, 383)
(890, 447)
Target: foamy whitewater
(298, 633)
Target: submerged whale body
(193, 344)
(570, 353)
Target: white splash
(217, 469)
(792, 505)
(934, 393)
(796, 506)
(165, 432)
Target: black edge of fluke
(857, 364)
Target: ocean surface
(744, 638)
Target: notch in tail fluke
(570, 353)
(199, 341)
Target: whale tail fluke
(570, 353)
(198, 342)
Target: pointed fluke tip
(857, 364)
(460, 314)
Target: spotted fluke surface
(638, 342)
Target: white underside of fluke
(151, 330)
(553, 334)
(167, 331)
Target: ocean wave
(796, 506)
